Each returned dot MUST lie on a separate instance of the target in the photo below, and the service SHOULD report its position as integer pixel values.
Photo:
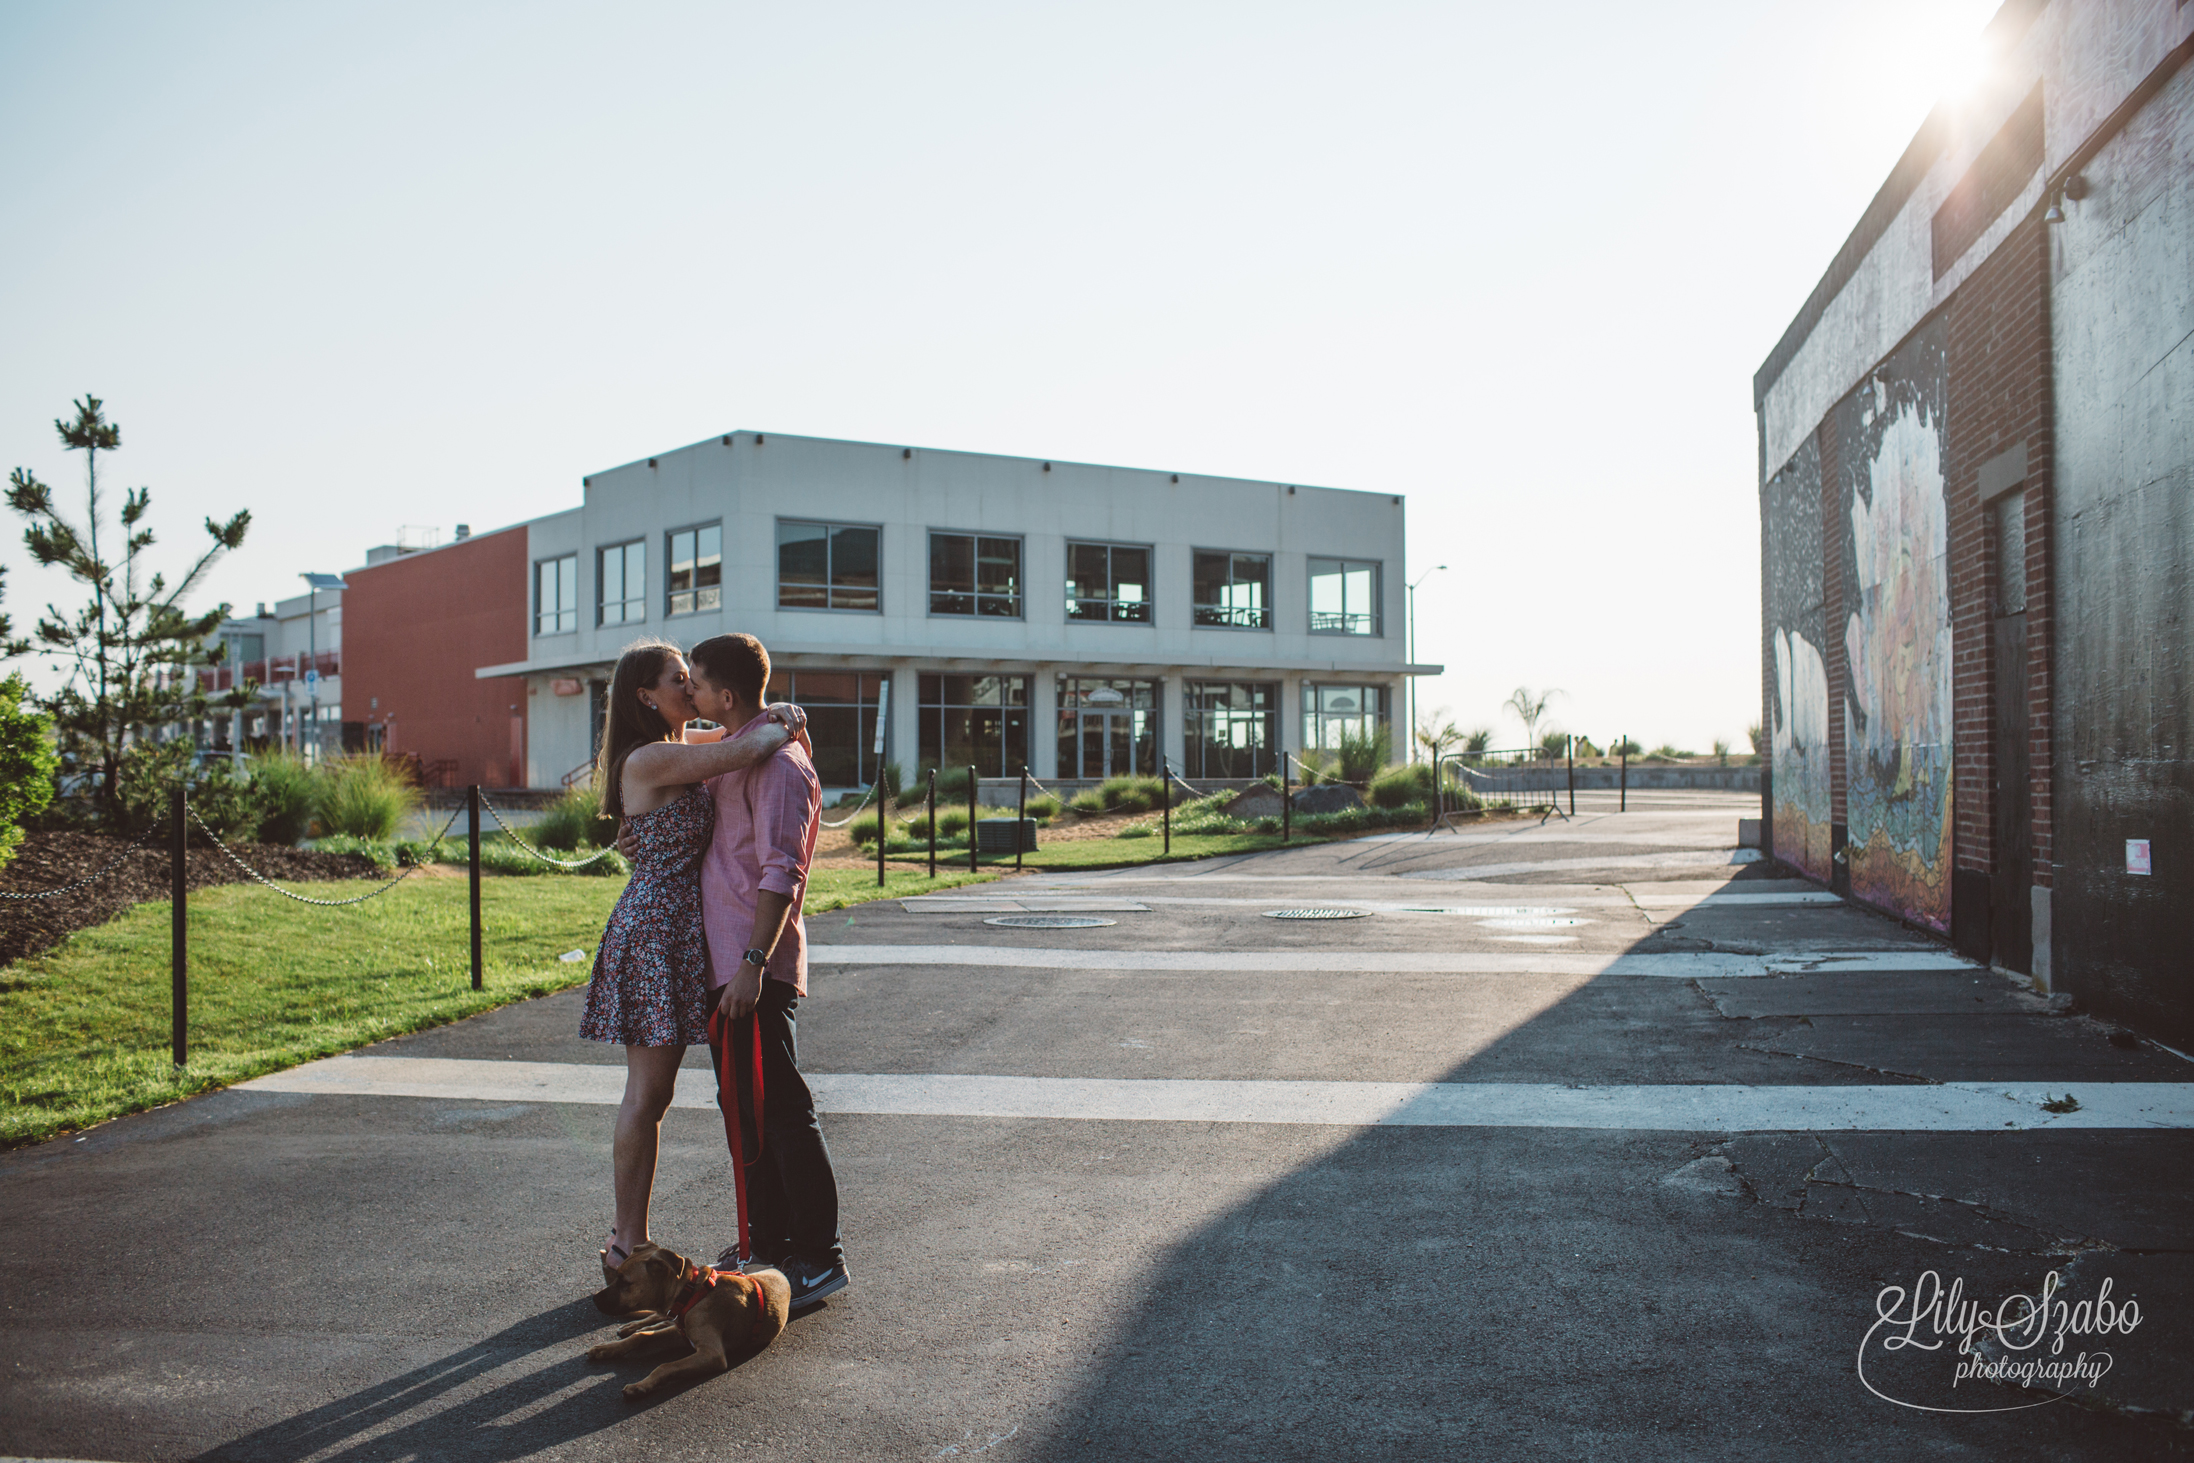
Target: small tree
(1477, 741)
(132, 650)
(1530, 709)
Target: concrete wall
(2123, 341)
(1798, 709)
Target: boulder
(1256, 802)
(1327, 797)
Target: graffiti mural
(1797, 633)
(1897, 712)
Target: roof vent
(464, 531)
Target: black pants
(792, 1193)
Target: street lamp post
(314, 583)
(1412, 654)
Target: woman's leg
(651, 1077)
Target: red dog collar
(699, 1280)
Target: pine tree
(132, 650)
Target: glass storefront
(975, 721)
(1232, 729)
(842, 708)
(1330, 710)
(1107, 727)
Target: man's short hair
(734, 663)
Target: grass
(84, 1028)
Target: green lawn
(84, 1028)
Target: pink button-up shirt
(766, 819)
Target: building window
(1108, 582)
(1107, 728)
(975, 721)
(621, 574)
(826, 566)
(974, 574)
(1328, 711)
(696, 560)
(1233, 591)
(556, 595)
(1233, 728)
(1344, 597)
(842, 708)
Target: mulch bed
(48, 860)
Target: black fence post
(1287, 796)
(1571, 754)
(1624, 805)
(883, 822)
(1020, 822)
(472, 848)
(180, 1031)
(1165, 785)
(972, 847)
(933, 822)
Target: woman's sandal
(613, 1255)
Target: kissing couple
(706, 944)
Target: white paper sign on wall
(2136, 857)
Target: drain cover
(1554, 922)
(1316, 913)
(1049, 921)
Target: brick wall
(1999, 399)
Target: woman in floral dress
(650, 987)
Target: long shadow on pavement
(508, 1420)
(1443, 1293)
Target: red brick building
(1977, 452)
(416, 627)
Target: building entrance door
(1107, 743)
(2010, 895)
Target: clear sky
(361, 266)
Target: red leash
(720, 1034)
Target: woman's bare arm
(673, 764)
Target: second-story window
(827, 566)
(974, 574)
(696, 560)
(1344, 597)
(1108, 582)
(621, 575)
(1233, 591)
(556, 595)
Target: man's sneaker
(729, 1260)
(813, 1280)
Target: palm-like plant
(1530, 709)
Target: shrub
(951, 784)
(1137, 830)
(1721, 750)
(1088, 800)
(1315, 765)
(575, 818)
(1478, 742)
(1360, 755)
(1757, 738)
(1554, 745)
(1627, 747)
(1667, 752)
(27, 761)
(365, 798)
(1411, 783)
(1131, 794)
(1043, 808)
(145, 784)
(289, 796)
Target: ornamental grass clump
(573, 820)
(289, 790)
(365, 798)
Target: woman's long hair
(631, 722)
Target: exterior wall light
(2055, 215)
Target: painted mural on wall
(1897, 713)
(1798, 720)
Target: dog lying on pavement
(715, 1312)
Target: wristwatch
(757, 957)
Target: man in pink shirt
(751, 884)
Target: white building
(281, 647)
(1079, 620)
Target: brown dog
(715, 1312)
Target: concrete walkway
(1552, 1151)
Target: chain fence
(235, 859)
(512, 834)
(89, 879)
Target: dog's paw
(606, 1351)
(634, 1391)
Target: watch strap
(758, 957)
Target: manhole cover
(1049, 921)
(1551, 922)
(1315, 913)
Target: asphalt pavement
(1587, 1139)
